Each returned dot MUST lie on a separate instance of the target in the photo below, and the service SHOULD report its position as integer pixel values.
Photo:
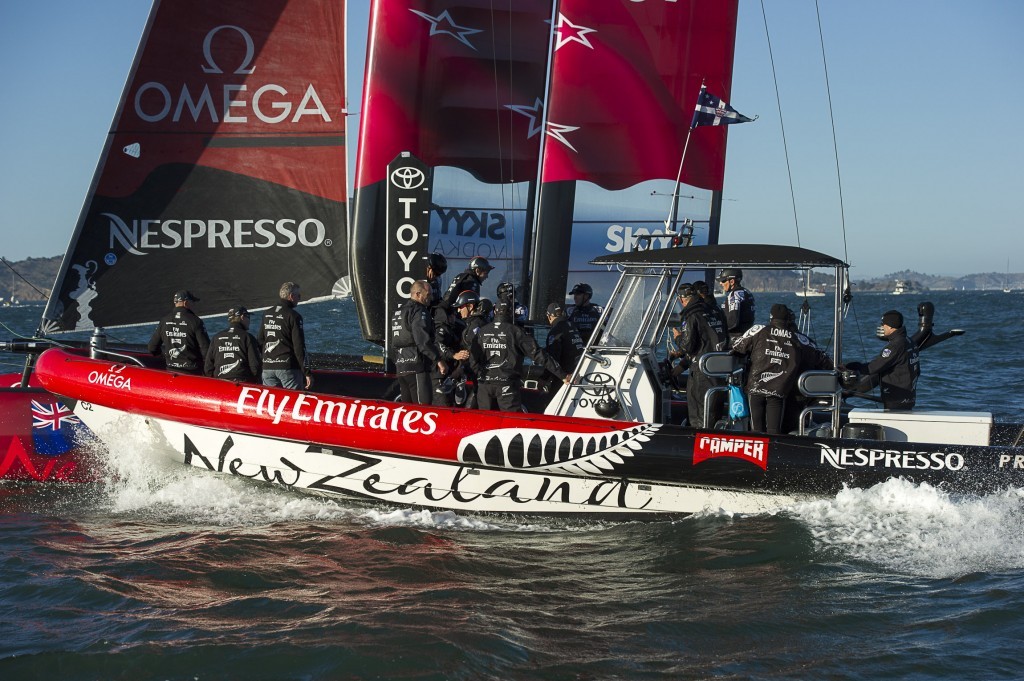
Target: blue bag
(738, 408)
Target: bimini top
(754, 256)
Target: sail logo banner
(753, 449)
(201, 101)
(148, 235)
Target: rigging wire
(18, 274)
(782, 125)
(835, 145)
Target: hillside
(39, 272)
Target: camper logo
(752, 449)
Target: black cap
(555, 309)
(238, 311)
(780, 311)
(184, 295)
(701, 287)
(893, 318)
(686, 290)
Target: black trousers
(415, 388)
(766, 412)
(499, 396)
(697, 386)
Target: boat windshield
(633, 318)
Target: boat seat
(823, 385)
(718, 365)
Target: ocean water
(166, 572)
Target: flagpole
(673, 211)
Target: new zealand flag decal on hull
(55, 429)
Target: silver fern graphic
(269, 347)
(174, 353)
(228, 368)
(555, 451)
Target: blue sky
(925, 96)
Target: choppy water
(166, 572)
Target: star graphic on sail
(536, 113)
(444, 24)
(569, 32)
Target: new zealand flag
(54, 428)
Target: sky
(924, 99)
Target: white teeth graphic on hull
(555, 450)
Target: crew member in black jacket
(564, 343)
(497, 358)
(739, 303)
(778, 353)
(413, 348)
(702, 333)
(470, 280)
(895, 369)
(583, 313)
(448, 330)
(181, 337)
(234, 354)
(284, 342)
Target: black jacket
(234, 355)
(896, 370)
(739, 311)
(283, 339)
(778, 355)
(448, 337)
(585, 318)
(702, 331)
(564, 344)
(497, 352)
(182, 338)
(413, 349)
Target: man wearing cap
(739, 302)
(496, 355)
(895, 369)
(181, 337)
(470, 280)
(583, 313)
(702, 333)
(284, 342)
(778, 354)
(564, 343)
(234, 354)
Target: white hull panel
(416, 481)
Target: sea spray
(919, 529)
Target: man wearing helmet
(507, 295)
(474, 312)
(583, 314)
(702, 333)
(469, 280)
(739, 302)
(437, 265)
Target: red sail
(441, 78)
(224, 171)
(625, 79)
